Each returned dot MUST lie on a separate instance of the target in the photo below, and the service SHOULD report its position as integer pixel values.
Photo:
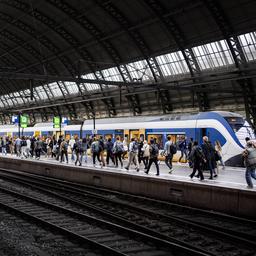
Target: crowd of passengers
(199, 157)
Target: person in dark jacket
(249, 155)
(78, 151)
(140, 152)
(183, 149)
(209, 153)
(153, 157)
(109, 148)
(197, 158)
(190, 145)
(102, 149)
(58, 147)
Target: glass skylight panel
(139, 70)
(213, 55)
(92, 87)
(112, 74)
(248, 42)
(208, 56)
(41, 92)
(55, 89)
(89, 86)
(17, 97)
(172, 64)
(72, 87)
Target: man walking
(168, 152)
(249, 155)
(133, 154)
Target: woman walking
(218, 150)
(146, 154)
(197, 157)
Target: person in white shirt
(28, 148)
(168, 153)
(23, 147)
(71, 148)
(18, 146)
(146, 153)
(133, 154)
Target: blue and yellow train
(227, 127)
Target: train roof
(7, 126)
(161, 118)
(227, 114)
(46, 124)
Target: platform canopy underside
(157, 56)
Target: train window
(158, 138)
(107, 136)
(204, 133)
(236, 123)
(134, 134)
(173, 137)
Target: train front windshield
(241, 128)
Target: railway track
(20, 237)
(218, 235)
(109, 238)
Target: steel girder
(139, 42)
(58, 29)
(29, 30)
(82, 20)
(109, 103)
(89, 108)
(238, 55)
(50, 23)
(175, 32)
(137, 39)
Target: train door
(37, 134)
(204, 132)
(58, 133)
(67, 136)
(158, 139)
(138, 134)
(134, 134)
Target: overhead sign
(23, 121)
(56, 122)
(94, 131)
(64, 121)
(15, 119)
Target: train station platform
(227, 193)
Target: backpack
(82, 146)
(173, 149)
(23, 143)
(199, 153)
(77, 146)
(95, 147)
(64, 146)
(119, 147)
(154, 150)
(251, 157)
(134, 147)
(101, 145)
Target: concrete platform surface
(230, 177)
(228, 193)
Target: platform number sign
(64, 121)
(15, 120)
(23, 121)
(56, 122)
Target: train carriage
(228, 128)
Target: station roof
(167, 56)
